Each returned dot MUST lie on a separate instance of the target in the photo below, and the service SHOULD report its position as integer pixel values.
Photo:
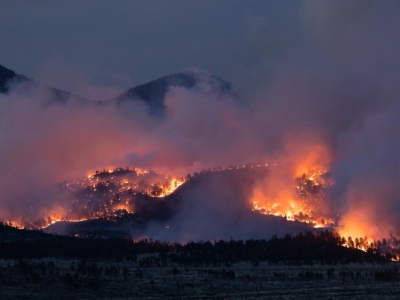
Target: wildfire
(115, 193)
(303, 202)
(107, 194)
(53, 221)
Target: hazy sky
(124, 43)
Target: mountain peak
(7, 76)
(153, 93)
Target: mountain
(153, 93)
(7, 77)
(210, 204)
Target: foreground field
(147, 279)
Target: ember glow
(114, 193)
(304, 204)
(108, 194)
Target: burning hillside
(307, 203)
(112, 194)
(137, 196)
(117, 194)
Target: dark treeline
(305, 248)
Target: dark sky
(124, 43)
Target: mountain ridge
(6, 76)
(151, 93)
(9, 77)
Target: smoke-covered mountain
(151, 94)
(210, 204)
(9, 78)
(141, 202)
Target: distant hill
(140, 206)
(153, 93)
(8, 76)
